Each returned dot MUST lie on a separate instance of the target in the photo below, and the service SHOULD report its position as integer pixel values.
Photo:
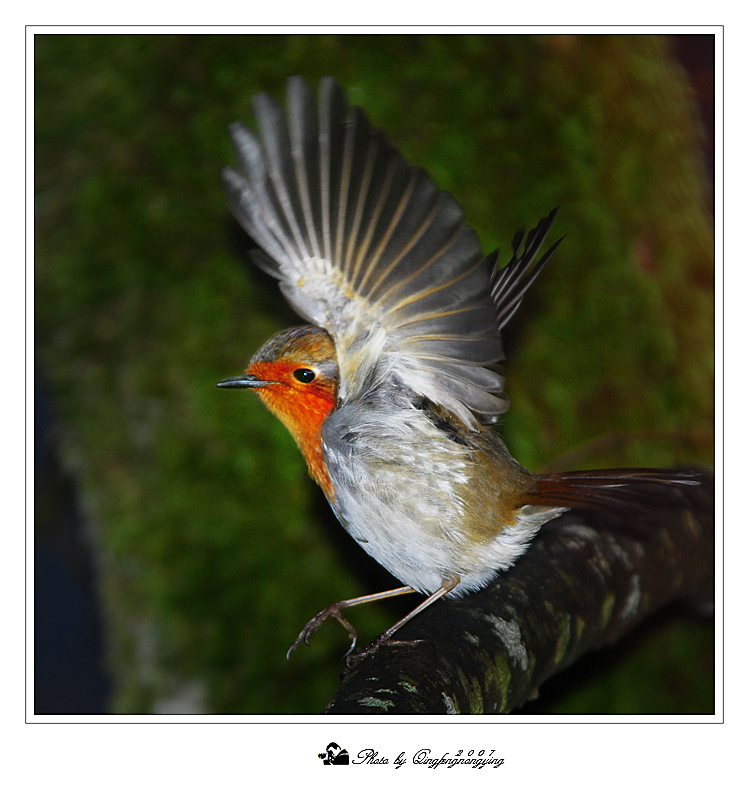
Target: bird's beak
(243, 382)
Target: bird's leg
(353, 658)
(335, 609)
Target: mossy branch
(585, 582)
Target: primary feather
(368, 248)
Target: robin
(392, 391)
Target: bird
(392, 389)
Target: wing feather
(367, 247)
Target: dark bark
(586, 581)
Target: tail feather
(606, 489)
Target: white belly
(402, 502)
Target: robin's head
(295, 374)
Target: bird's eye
(304, 375)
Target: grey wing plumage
(367, 247)
(509, 285)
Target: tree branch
(586, 581)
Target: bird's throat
(304, 413)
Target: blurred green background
(185, 511)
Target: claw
(353, 658)
(352, 648)
(333, 610)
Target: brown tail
(606, 489)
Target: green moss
(563, 642)
(213, 546)
(608, 607)
(373, 702)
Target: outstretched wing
(368, 248)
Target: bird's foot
(354, 657)
(333, 610)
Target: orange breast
(302, 408)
